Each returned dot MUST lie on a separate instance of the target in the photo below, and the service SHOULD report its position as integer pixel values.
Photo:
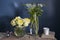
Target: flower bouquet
(20, 25)
(35, 10)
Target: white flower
(26, 21)
(19, 21)
(13, 22)
(18, 17)
(28, 5)
(41, 5)
(31, 5)
(25, 24)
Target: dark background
(9, 10)
(50, 17)
(57, 19)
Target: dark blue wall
(8, 11)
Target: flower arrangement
(19, 24)
(34, 10)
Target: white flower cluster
(33, 5)
(30, 7)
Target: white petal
(40, 5)
(28, 5)
(19, 17)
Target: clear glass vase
(35, 24)
(19, 32)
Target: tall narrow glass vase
(35, 24)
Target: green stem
(36, 24)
